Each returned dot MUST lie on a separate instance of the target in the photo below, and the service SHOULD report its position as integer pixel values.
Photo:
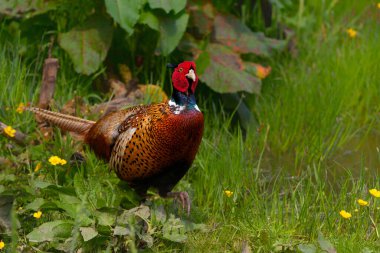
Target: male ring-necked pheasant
(149, 145)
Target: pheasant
(148, 145)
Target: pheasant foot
(183, 198)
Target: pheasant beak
(191, 75)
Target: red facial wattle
(180, 81)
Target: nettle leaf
(36, 204)
(141, 211)
(51, 231)
(171, 29)
(230, 31)
(41, 184)
(74, 208)
(307, 248)
(226, 71)
(119, 230)
(88, 44)
(168, 5)
(174, 230)
(325, 244)
(105, 218)
(88, 233)
(125, 12)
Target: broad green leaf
(75, 209)
(105, 219)
(148, 239)
(35, 205)
(149, 19)
(140, 211)
(2, 188)
(230, 31)
(202, 62)
(125, 12)
(51, 231)
(143, 212)
(88, 44)
(174, 230)
(159, 214)
(7, 177)
(325, 244)
(79, 186)
(41, 184)
(119, 230)
(307, 248)
(226, 72)
(171, 29)
(88, 233)
(168, 5)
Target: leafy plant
(214, 39)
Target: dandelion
(363, 202)
(378, 5)
(20, 108)
(54, 160)
(2, 244)
(37, 215)
(10, 131)
(345, 214)
(228, 193)
(374, 192)
(38, 167)
(351, 33)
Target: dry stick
(19, 137)
(49, 77)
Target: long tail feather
(64, 121)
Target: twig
(49, 77)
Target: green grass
(315, 154)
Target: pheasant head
(184, 77)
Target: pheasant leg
(183, 198)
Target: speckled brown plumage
(147, 146)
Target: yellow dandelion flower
(20, 108)
(345, 214)
(374, 192)
(228, 193)
(10, 131)
(55, 160)
(351, 33)
(63, 162)
(378, 5)
(2, 244)
(38, 167)
(37, 215)
(363, 202)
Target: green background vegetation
(310, 150)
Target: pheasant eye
(180, 69)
